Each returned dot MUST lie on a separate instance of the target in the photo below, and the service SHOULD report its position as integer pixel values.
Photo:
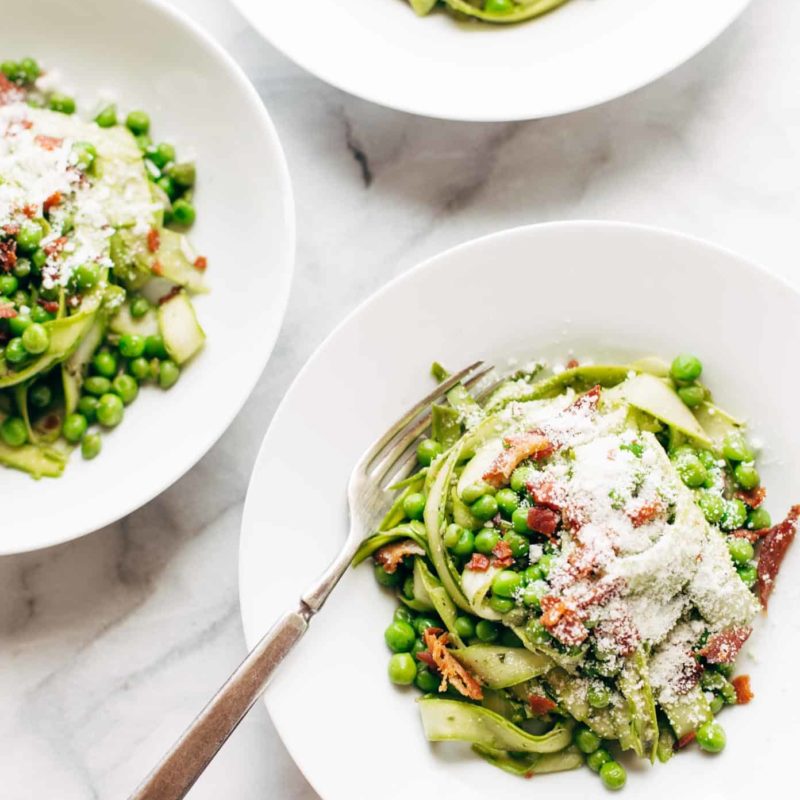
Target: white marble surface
(110, 644)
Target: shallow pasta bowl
(146, 56)
(601, 290)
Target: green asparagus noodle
(453, 720)
(34, 459)
(411, 480)
(567, 661)
(465, 404)
(502, 703)
(410, 530)
(523, 10)
(499, 667)
(570, 691)
(438, 598)
(438, 372)
(687, 712)
(716, 423)
(666, 744)
(21, 399)
(423, 7)
(529, 764)
(445, 425)
(634, 683)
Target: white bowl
(595, 288)
(147, 56)
(581, 54)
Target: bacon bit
(531, 444)
(754, 498)
(751, 536)
(53, 200)
(29, 210)
(723, 648)
(772, 551)
(546, 494)
(9, 92)
(540, 705)
(156, 268)
(7, 311)
(8, 255)
(588, 401)
(425, 657)
(684, 740)
(201, 263)
(153, 240)
(622, 631)
(503, 555)
(544, 521)
(744, 694)
(48, 142)
(51, 422)
(390, 556)
(175, 290)
(51, 306)
(453, 672)
(56, 246)
(572, 363)
(478, 563)
(12, 229)
(644, 513)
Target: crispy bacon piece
(7, 311)
(8, 255)
(572, 363)
(754, 498)
(621, 631)
(540, 705)
(772, 551)
(723, 648)
(156, 268)
(503, 555)
(688, 674)
(547, 494)
(644, 513)
(744, 694)
(588, 401)
(9, 91)
(56, 246)
(478, 563)
(48, 142)
(201, 263)
(544, 521)
(453, 672)
(29, 210)
(51, 306)
(390, 556)
(51, 202)
(751, 536)
(684, 740)
(175, 290)
(532, 444)
(153, 240)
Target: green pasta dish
(96, 272)
(495, 11)
(579, 558)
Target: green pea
(502, 605)
(154, 347)
(90, 446)
(28, 237)
(21, 299)
(29, 69)
(498, 6)
(473, 493)
(131, 345)
(465, 544)
(427, 451)
(38, 259)
(414, 505)
(691, 470)
(85, 155)
(35, 339)
(139, 307)
(613, 775)
(62, 103)
(759, 519)
(741, 550)
(399, 637)
(734, 516)
(422, 623)
(520, 477)
(97, 385)
(533, 593)
(126, 387)
(586, 740)
(426, 681)
(22, 268)
(404, 614)
(748, 573)
(183, 174)
(87, 406)
(686, 368)
(537, 633)
(598, 696)
(137, 122)
(533, 573)
(161, 154)
(545, 563)
(74, 427)
(692, 396)
(15, 351)
(506, 583)
(519, 544)
(716, 704)
(87, 276)
(484, 508)
(167, 185)
(143, 142)
(390, 579)
(110, 410)
(747, 476)
(14, 432)
(107, 117)
(711, 737)
(712, 505)
(168, 375)
(105, 364)
(139, 368)
(465, 627)
(486, 631)
(486, 540)
(519, 520)
(8, 284)
(402, 669)
(451, 535)
(183, 213)
(419, 647)
(408, 588)
(736, 448)
(507, 501)
(596, 760)
(39, 315)
(40, 395)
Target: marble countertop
(109, 645)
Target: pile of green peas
(404, 638)
(685, 372)
(598, 759)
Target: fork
(389, 459)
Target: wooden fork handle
(191, 754)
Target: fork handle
(191, 754)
